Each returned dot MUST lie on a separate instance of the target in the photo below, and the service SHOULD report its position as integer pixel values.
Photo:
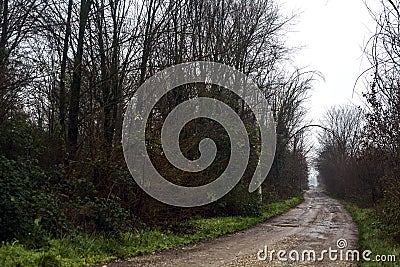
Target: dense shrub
(239, 202)
(390, 206)
(39, 201)
(23, 205)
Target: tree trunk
(73, 126)
(62, 94)
(4, 31)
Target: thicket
(38, 201)
(67, 72)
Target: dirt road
(317, 224)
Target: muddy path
(316, 224)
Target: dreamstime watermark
(140, 109)
(339, 253)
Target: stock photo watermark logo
(338, 253)
(139, 111)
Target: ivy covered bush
(38, 201)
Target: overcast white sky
(334, 33)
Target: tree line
(359, 157)
(67, 71)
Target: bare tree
(63, 69)
(340, 144)
(75, 92)
(17, 21)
